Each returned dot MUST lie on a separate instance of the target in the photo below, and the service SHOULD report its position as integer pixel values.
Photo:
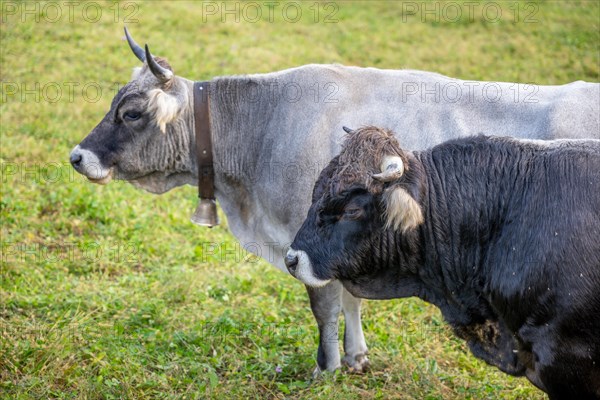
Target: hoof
(358, 364)
(318, 372)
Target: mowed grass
(110, 292)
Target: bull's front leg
(326, 304)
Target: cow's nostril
(75, 159)
(291, 262)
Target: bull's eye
(132, 115)
(352, 212)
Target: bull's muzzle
(299, 265)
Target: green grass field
(107, 292)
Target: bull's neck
(463, 207)
(441, 261)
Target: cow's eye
(131, 115)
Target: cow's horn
(163, 74)
(346, 129)
(392, 168)
(137, 50)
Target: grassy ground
(107, 292)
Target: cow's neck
(242, 151)
(237, 132)
(239, 124)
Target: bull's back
(545, 266)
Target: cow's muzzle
(75, 159)
(88, 164)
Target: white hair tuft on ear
(164, 106)
(401, 210)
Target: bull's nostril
(75, 159)
(291, 262)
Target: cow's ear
(164, 107)
(402, 212)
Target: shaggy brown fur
(361, 157)
(362, 154)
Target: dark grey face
(336, 239)
(145, 136)
(363, 206)
(104, 152)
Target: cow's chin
(161, 182)
(102, 181)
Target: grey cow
(272, 134)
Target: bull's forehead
(343, 178)
(124, 91)
(350, 175)
(121, 96)
(362, 154)
(366, 147)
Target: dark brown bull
(501, 234)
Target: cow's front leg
(326, 304)
(355, 346)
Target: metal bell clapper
(206, 213)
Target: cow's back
(301, 111)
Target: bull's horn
(137, 50)
(163, 74)
(392, 168)
(346, 129)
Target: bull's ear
(401, 210)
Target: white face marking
(91, 166)
(304, 271)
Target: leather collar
(204, 154)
